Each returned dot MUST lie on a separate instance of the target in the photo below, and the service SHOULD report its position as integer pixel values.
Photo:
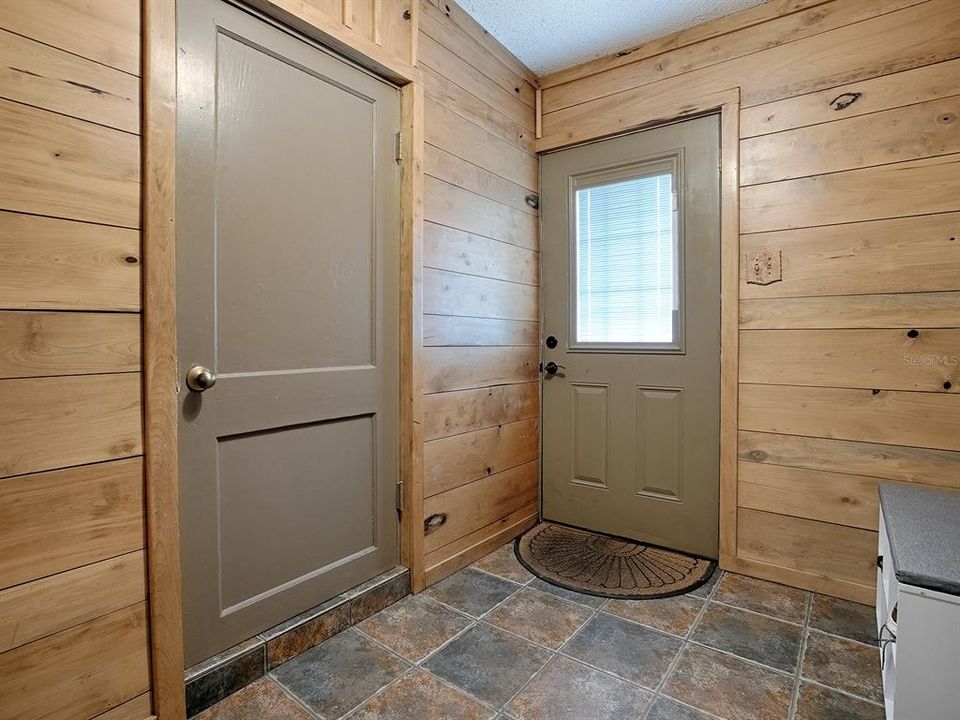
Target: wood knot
(842, 102)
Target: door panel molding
(589, 433)
(659, 409)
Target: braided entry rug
(605, 566)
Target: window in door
(626, 257)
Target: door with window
(288, 323)
(631, 326)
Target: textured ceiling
(550, 35)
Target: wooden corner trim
(411, 334)
(729, 316)
(159, 98)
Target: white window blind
(626, 264)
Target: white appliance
(918, 602)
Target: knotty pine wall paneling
(73, 613)
(480, 292)
(849, 366)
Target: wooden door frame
(160, 376)
(726, 103)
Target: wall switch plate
(763, 267)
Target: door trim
(160, 376)
(158, 248)
(726, 103)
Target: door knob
(552, 368)
(200, 378)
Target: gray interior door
(287, 275)
(631, 305)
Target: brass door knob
(200, 378)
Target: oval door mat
(606, 566)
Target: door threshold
(211, 680)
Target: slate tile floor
(493, 642)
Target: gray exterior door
(287, 274)
(631, 296)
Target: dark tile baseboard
(210, 681)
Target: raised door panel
(589, 434)
(659, 446)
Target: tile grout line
(685, 641)
(804, 679)
(652, 627)
(474, 622)
(748, 661)
(586, 663)
(525, 583)
(503, 708)
(761, 614)
(482, 618)
(554, 653)
(871, 645)
(289, 693)
(795, 695)
(849, 694)
(417, 665)
(355, 708)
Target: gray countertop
(923, 526)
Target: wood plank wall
(73, 615)
(849, 367)
(480, 291)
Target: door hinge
(400, 495)
(399, 147)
